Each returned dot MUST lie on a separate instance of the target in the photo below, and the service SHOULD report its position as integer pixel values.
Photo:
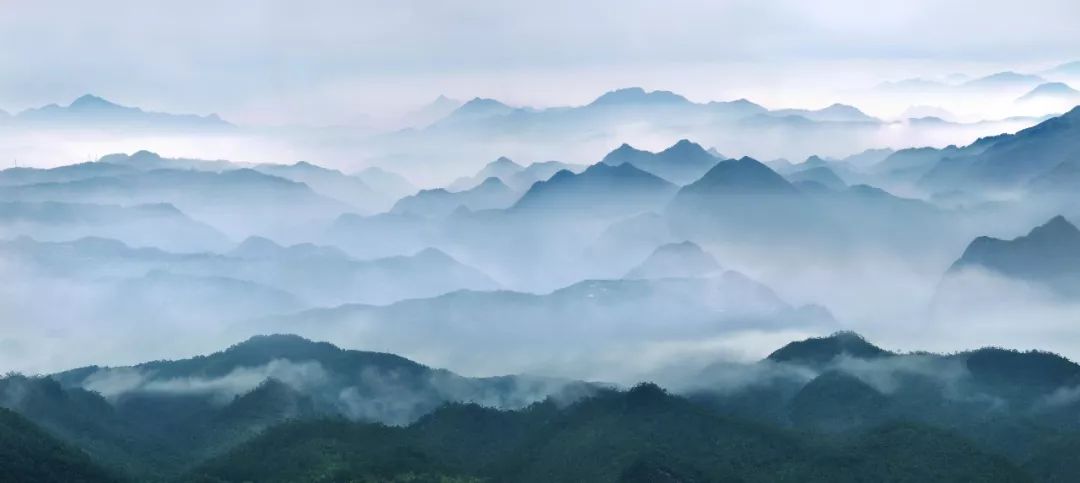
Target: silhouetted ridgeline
(281, 408)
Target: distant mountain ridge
(92, 111)
(833, 113)
(630, 100)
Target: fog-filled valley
(680, 256)
(256, 250)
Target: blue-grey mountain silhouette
(1049, 255)
(1052, 91)
(93, 111)
(436, 203)
(676, 260)
(682, 163)
(601, 189)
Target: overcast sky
(325, 62)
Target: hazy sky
(325, 62)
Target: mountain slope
(257, 202)
(331, 183)
(29, 454)
(642, 435)
(740, 199)
(257, 277)
(744, 176)
(678, 260)
(1051, 91)
(157, 225)
(503, 169)
(820, 351)
(390, 184)
(1009, 160)
(608, 315)
(437, 203)
(821, 175)
(1003, 80)
(156, 419)
(1048, 255)
(600, 190)
(832, 113)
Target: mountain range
(293, 277)
(1006, 161)
(517, 177)
(265, 199)
(90, 111)
(274, 408)
(155, 419)
(608, 316)
(1005, 80)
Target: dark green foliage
(1055, 460)
(913, 453)
(1021, 373)
(260, 350)
(836, 401)
(831, 409)
(643, 435)
(818, 351)
(28, 454)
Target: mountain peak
(602, 188)
(681, 163)
(1051, 90)
(90, 101)
(482, 101)
(504, 162)
(740, 176)
(819, 351)
(1049, 254)
(676, 260)
(482, 107)
(434, 254)
(256, 247)
(1004, 79)
(684, 146)
(1056, 229)
(274, 341)
(491, 182)
(625, 153)
(637, 95)
(1055, 87)
(142, 158)
(626, 148)
(836, 106)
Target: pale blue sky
(328, 61)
